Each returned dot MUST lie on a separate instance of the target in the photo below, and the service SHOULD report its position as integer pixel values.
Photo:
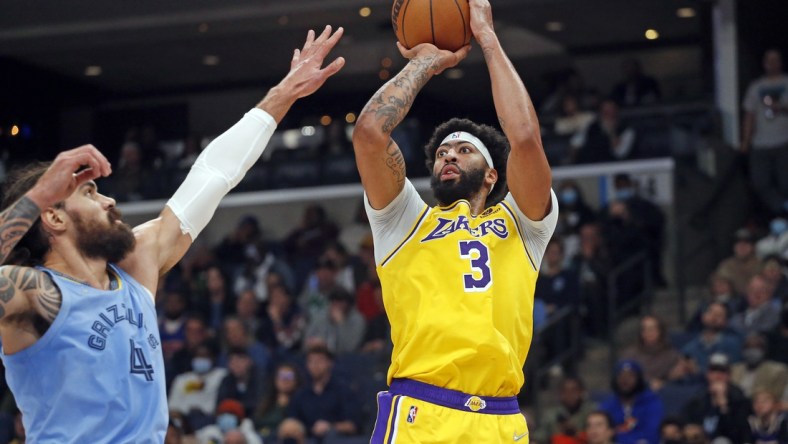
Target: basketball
(444, 23)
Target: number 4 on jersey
(139, 364)
(480, 277)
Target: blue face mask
(226, 422)
(569, 196)
(201, 365)
(625, 193)
(778, 226)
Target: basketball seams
(443, 23)
(462, 16)
(432, 24)
(404, 14)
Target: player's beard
(111, 242)
(450, 191)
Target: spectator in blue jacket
(636, 410)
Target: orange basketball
(444, 23)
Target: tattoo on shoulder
(48, 298)
(396, 162)
(28, 282)
(15, 221)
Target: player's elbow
(366, 134)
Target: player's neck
(90, 271)
(477, 204)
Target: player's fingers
(85, 175)
(334, 38)
(323, 35)
(97, 161)
(333, 67)
(296, 58)
(462, 52)
(106, 167)
(407, 53)
(310, 38)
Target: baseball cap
(628, 364)
(719, 361)
(231, 406)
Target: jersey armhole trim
(520, 232)
(407, 238)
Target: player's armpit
(25, 291)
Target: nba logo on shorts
(412, 414)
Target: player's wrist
(39, 196)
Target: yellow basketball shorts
(413, 412)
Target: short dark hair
(320, 349)
(493, 139)
(34, 245)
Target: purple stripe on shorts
(381, 423)
(454, 399)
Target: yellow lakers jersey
(459, 291)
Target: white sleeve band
(219, 168)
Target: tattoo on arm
(48, 297)
(396, 162)
(15, 221)
(34, 284)
(393, 101)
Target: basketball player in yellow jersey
(458, 279)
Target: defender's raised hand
(69, 170)
(306, 75)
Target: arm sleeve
(219, 168)
(391, 224)
(536, 233)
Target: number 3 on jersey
(480, 277)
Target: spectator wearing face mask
(757, 373)
(230, 415)
(575, 213)
(776, 242)
(194, 394)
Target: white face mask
(226, 422)
(201, 365)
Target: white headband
(473, 140)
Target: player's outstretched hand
(439, 59)
(69, 170)
(306, 75)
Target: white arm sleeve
(393, 223)
(536, 233)
(219, 168)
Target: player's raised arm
(379, 160)
(528, 173)
(225, 161)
